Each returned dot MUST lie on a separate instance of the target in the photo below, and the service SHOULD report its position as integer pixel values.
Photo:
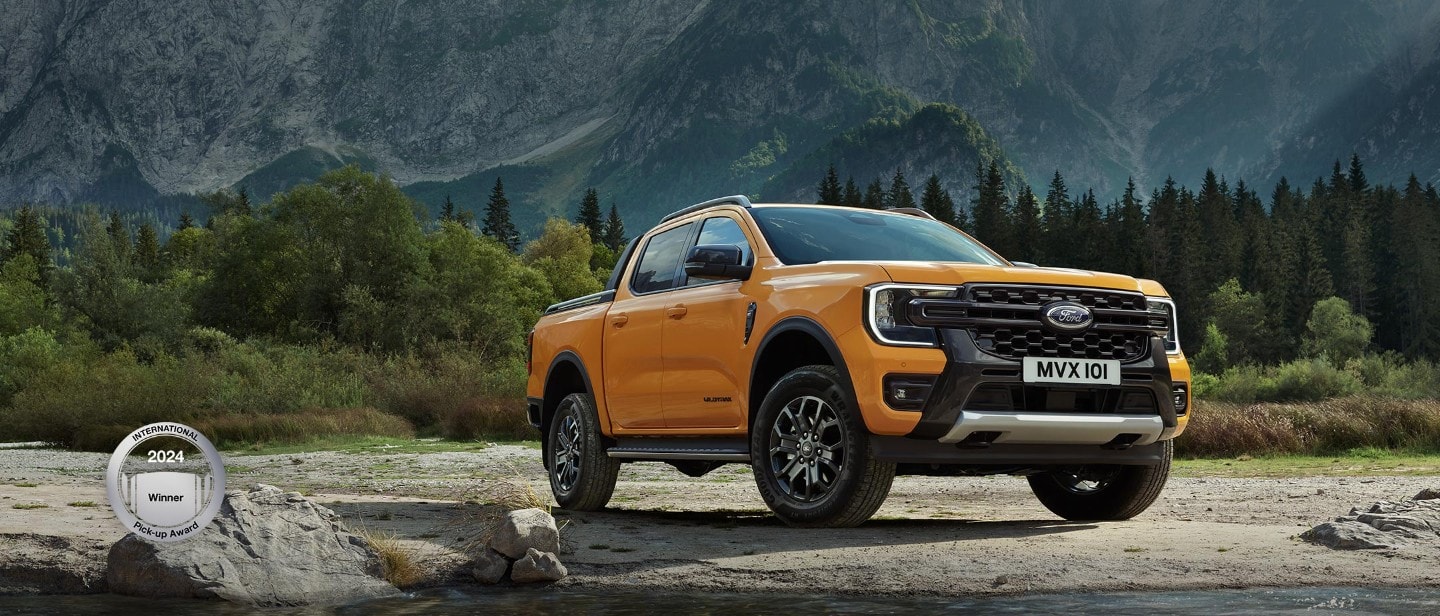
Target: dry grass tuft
(490, 417)
(485, 502)
(1328, 427)
(401, 565)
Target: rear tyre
(1102, 492)
(582, 477)
(811, 454)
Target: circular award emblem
(160, 496)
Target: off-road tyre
(1126, 491)
(582, 477)
(848, 485)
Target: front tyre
(811, 454)
(582, 477)
(1103, 493)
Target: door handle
(619, 320)
(676, 312)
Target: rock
(538, 566)
(490, 567)
(32, 564)
(523, 529)
(266, 547)
(1428, 494)
(1349, 536)
(1381, 525)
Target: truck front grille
(1005, 321)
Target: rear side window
(660, 260)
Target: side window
(661, 258)
(722, 230)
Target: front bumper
(1044, 415)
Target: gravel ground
(934, 536)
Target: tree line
(1246, 271)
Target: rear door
(634, 367)
(704, 339)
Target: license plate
(1071, 371)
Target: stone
(1428, 494)
(266, 547)
(523, 529)
(1381, 525)
(1350, 535)
(490, 567)
(538, 566)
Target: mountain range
(659, 103)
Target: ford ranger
(832, 348)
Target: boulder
(266, 547)
(1381, 525)
(523, 529)
(1428, 494)
(490, 567)
(537, 566)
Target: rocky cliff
(659, 102)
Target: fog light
(907, 392)
(1181, 399)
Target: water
(1400, 602)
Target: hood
(960, 273)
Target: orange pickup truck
(832, 348)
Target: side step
(715, 449)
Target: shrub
(1335, 332)
(479, 417)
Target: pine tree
(589, 215)
(874, 196)
(1358, 184)
(899, 195)
(147, 249)
(990, 210)
(497, 218)
(829, 192)
(1129, 228)
(1057, 224)
(1416, 224)
(936, 200)
(1091, 243)
(27, 237)
(447, 211)
(1027, 226)
(614, 232)
(119, 238)
(852, 196)
(1217, 218)
(186, 222)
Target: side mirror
(721, 261)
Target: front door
(703, 341)
(634, 366)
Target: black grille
(1118, 331)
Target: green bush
(1312, 379)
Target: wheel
(1102, 492)
(582, 477)
(811, 454)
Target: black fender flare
(549, 402)
(808, 326)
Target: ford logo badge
(1067, 316)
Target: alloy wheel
(807, 448)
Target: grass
(401, 565)
(1325, 428)
(377, 445)
(243, 430)
(1365, 462)
(29, 506)
(83, 504)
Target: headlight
(887, 315)
(1163, 305)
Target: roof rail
(740, 200)
(913, 211)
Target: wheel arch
(791, 343)
(566, 375)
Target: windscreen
(801, 235)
